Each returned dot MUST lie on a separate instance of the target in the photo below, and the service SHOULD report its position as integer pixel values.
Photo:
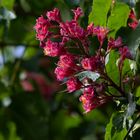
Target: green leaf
(133, 39)
(111, 67)
(8, 4)
(118, 18)
(100, 9)
(89, 74)
(12, 135)
(114, 129)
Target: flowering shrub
(103, 75)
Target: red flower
(88, 99)
(92, 63)
(124, 53)
(62, 73)
(101, 33)
(134, 22)
(53, 49)
(77, 13)
(71, 29)
(73, 84)
(112, 43)
(67, 61)
(41, 28)
(54, 15)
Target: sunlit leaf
(100, 9)
(118, 18)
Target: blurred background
(33, 105)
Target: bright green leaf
(118, 18)
(111, 67)
(99, 12)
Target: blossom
(66, 61)
(134, 22)
(62, 73)
(71, 29)
(92, 63)
(41, 28)
(125, 53)
(90, 29)
(73, 84)
(112, 43)
(101, 33)
(87, 99)
(77, 13)
(54, 15)
(86, 64)
(53, 49)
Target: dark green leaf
(114, 129)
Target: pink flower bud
(77, 13)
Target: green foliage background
(53, 114)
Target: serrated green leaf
(100, 9)
(118, 18)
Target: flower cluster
(56, 38)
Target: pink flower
(112, 43)
(101, 33)
(73, 84)
(87, 99)
(92, 63)
(77, 13)
(54, 15)
(71, 29)
(41, 28)
(134, 20)
(90, 29)
(86, 64)
(53, 49)
(62, 73)
(125, 53)
(66, 61)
